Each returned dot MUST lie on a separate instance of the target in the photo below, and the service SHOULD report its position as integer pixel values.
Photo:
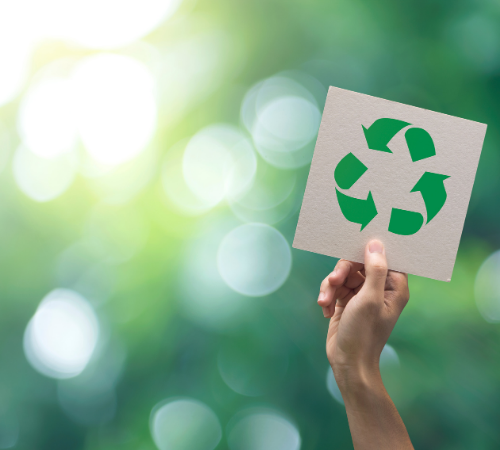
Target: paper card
(394, 172)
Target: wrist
(358, 380)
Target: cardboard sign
(394, 172)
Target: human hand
(364, 302)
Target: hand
(364, 302)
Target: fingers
(342, 270)
(397, 292)
(353, 280)
(339, 284)
(345, 274)
(396, 281)
(375, 268)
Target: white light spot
(62, 335)
(219, 162)
(292, 120)
(43, 179)
(15, 49)
(254, 259)
(283, 118)
(115, 107)
(46, 121)
(206, 299)
(263, 429)
(184, 424)
(174, 185)
(487, 288)
(104, 23)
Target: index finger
(342, 270)
(336, 279)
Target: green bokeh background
(441, 55)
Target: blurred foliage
(441, 55)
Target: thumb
(375, 266)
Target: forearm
(373, 419)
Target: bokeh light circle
(219, 162)
(283, 118)
(40, 178)
(254, 259)
(205, 298)
(291, 120)
(263, 429)
(15, 50)
(46, 120)
(105, 24)
(487, 288)
(184, 424)
(177, 192)
(61, 337)
(115, 106)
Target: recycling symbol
(430, 185)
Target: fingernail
(376, 247)
(321, 297)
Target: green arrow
(381, 132)
(405, 222)
(348, 171)
(357, 210)
(431, 186)
(420, 144)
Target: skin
(363, 302)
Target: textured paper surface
(430, 252)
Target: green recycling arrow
(380, 133)
(420, 144)
(348, 171)
(357, 210)
(431, 186)
(405, 222)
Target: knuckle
(381, 264)
(343, 263)
(379, 268)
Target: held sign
(431, 186)
(394, 172)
